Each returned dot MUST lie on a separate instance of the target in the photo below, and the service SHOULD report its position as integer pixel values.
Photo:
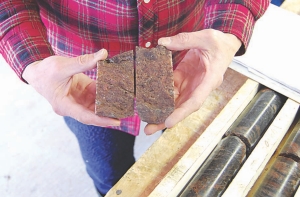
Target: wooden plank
(292, 6)
(259, 157)
(222, 164)
(159, 159)
(297, 193)
(182, 172)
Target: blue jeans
(277, 2)
(107, 153)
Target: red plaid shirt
(32, 30)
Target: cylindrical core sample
(257, 116)
(282, 179)
(218, 170)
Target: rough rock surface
(115, 86)
(154, 84)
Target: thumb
(190, 40)
(179, 42)
(85, 62)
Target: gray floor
(39, 156)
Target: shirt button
(148, 44)
(146, 1)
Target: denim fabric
(277, 2)
(107, 153)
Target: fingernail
(164, 41)
(168, 123)
(101, 52)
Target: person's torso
(77, 27)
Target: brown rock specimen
(154, 84)
(115, 86)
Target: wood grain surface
(291, 5)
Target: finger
(84, 63)
(153, 128)
(87, 116)
(189, 103)
(178, 115)
(190, 40)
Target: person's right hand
(201, 71)
(70, 92)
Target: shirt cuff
(24, 46)
(231, 18)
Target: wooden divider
(259, 157)
(182, 172)
(159, 162)
(297, 193)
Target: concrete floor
(39, 156)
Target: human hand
(200, 72)
(70, 92)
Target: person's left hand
(60, 80)
(200, 72)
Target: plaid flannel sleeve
(23, 37)
(234, 16)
